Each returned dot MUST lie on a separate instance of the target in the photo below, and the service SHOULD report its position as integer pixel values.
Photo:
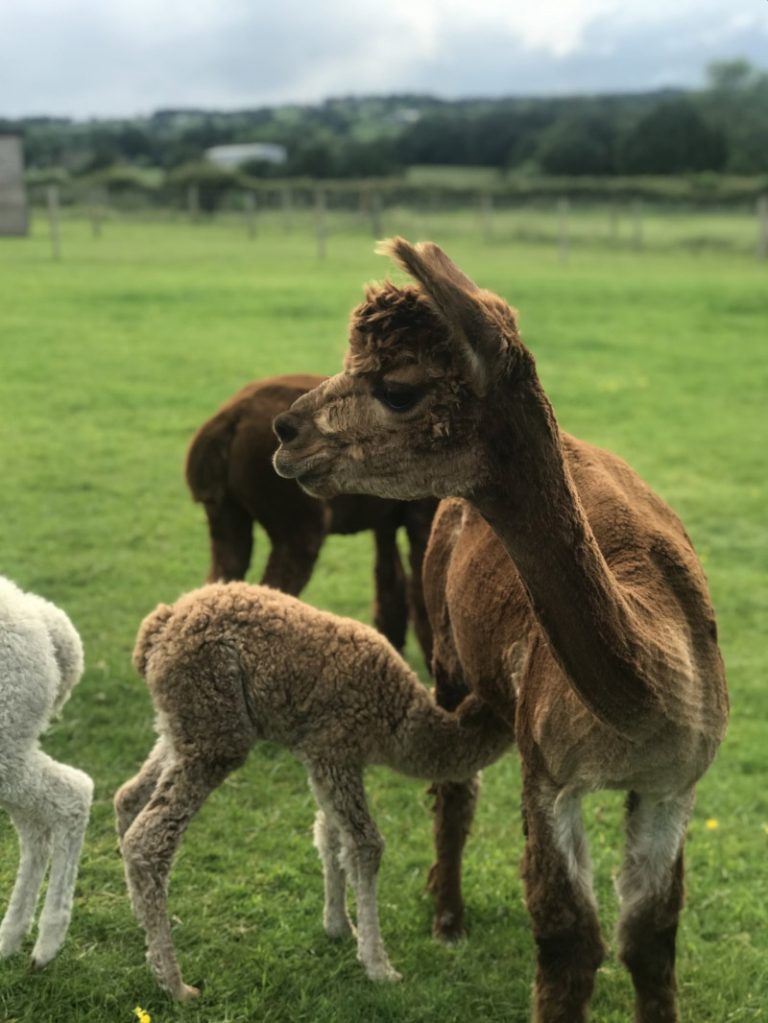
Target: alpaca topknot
(393, 323)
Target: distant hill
(722, 127)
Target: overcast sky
(87, 58)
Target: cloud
(111, 57)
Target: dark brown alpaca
(229, 470)
(550, 546)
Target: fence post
(375, 211)
(193, 202)
(320, 226)
(563, 207)
(250, 213)
(52, 197)
(762, 227)
(286, 202)
(94, 208)
(486, 216)
(613, 224)
(637, 213)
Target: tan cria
(229, 665)
(545, 539)
(229, 471)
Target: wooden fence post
(563, 207)
(320, 225)
(637, 214)
(375, 212)
(762, 227)
(486, 216)
(52, 197)
(193, 202)
(613, 224)
(286, 203)
(95, 200)
(250, 213)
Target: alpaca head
(407, 416)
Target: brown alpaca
(547, 539)
(229, 470)
(228, 665)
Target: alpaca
(230, 664)
(41, 659)
(546, 538)
(229, 470)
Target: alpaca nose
(285, 427)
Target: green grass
(108, 361)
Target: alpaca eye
(397, 397)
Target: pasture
(110, 358)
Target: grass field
(108, 361)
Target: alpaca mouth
(316, 484)
(310, 476)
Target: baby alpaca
(230, 664)
(41, 659)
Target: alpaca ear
(456, 297)
(427, 263)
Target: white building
(233, 156)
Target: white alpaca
(41, 659)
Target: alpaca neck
(533, 508)
(430, 742)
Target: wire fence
(323, 214)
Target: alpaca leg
(134, 794)
(390, 613)
(558, 884)
(70, 793)
(651, 890)
(231, 531)
(341, 796)
(149, 846)
(418, 525)
(35, 846)
(454, 811)
(455, 804)
(328, 844)
(292, 559)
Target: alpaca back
(305, 678)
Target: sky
(113, 58)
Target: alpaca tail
(207, 460)
(150, 632)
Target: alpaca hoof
(337, 930)
(40, 958)
(448, 927)
(43, 953)
(187, 993)
(384, 973)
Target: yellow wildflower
(710, 825)
(141, 1015)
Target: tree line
(721, 127)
